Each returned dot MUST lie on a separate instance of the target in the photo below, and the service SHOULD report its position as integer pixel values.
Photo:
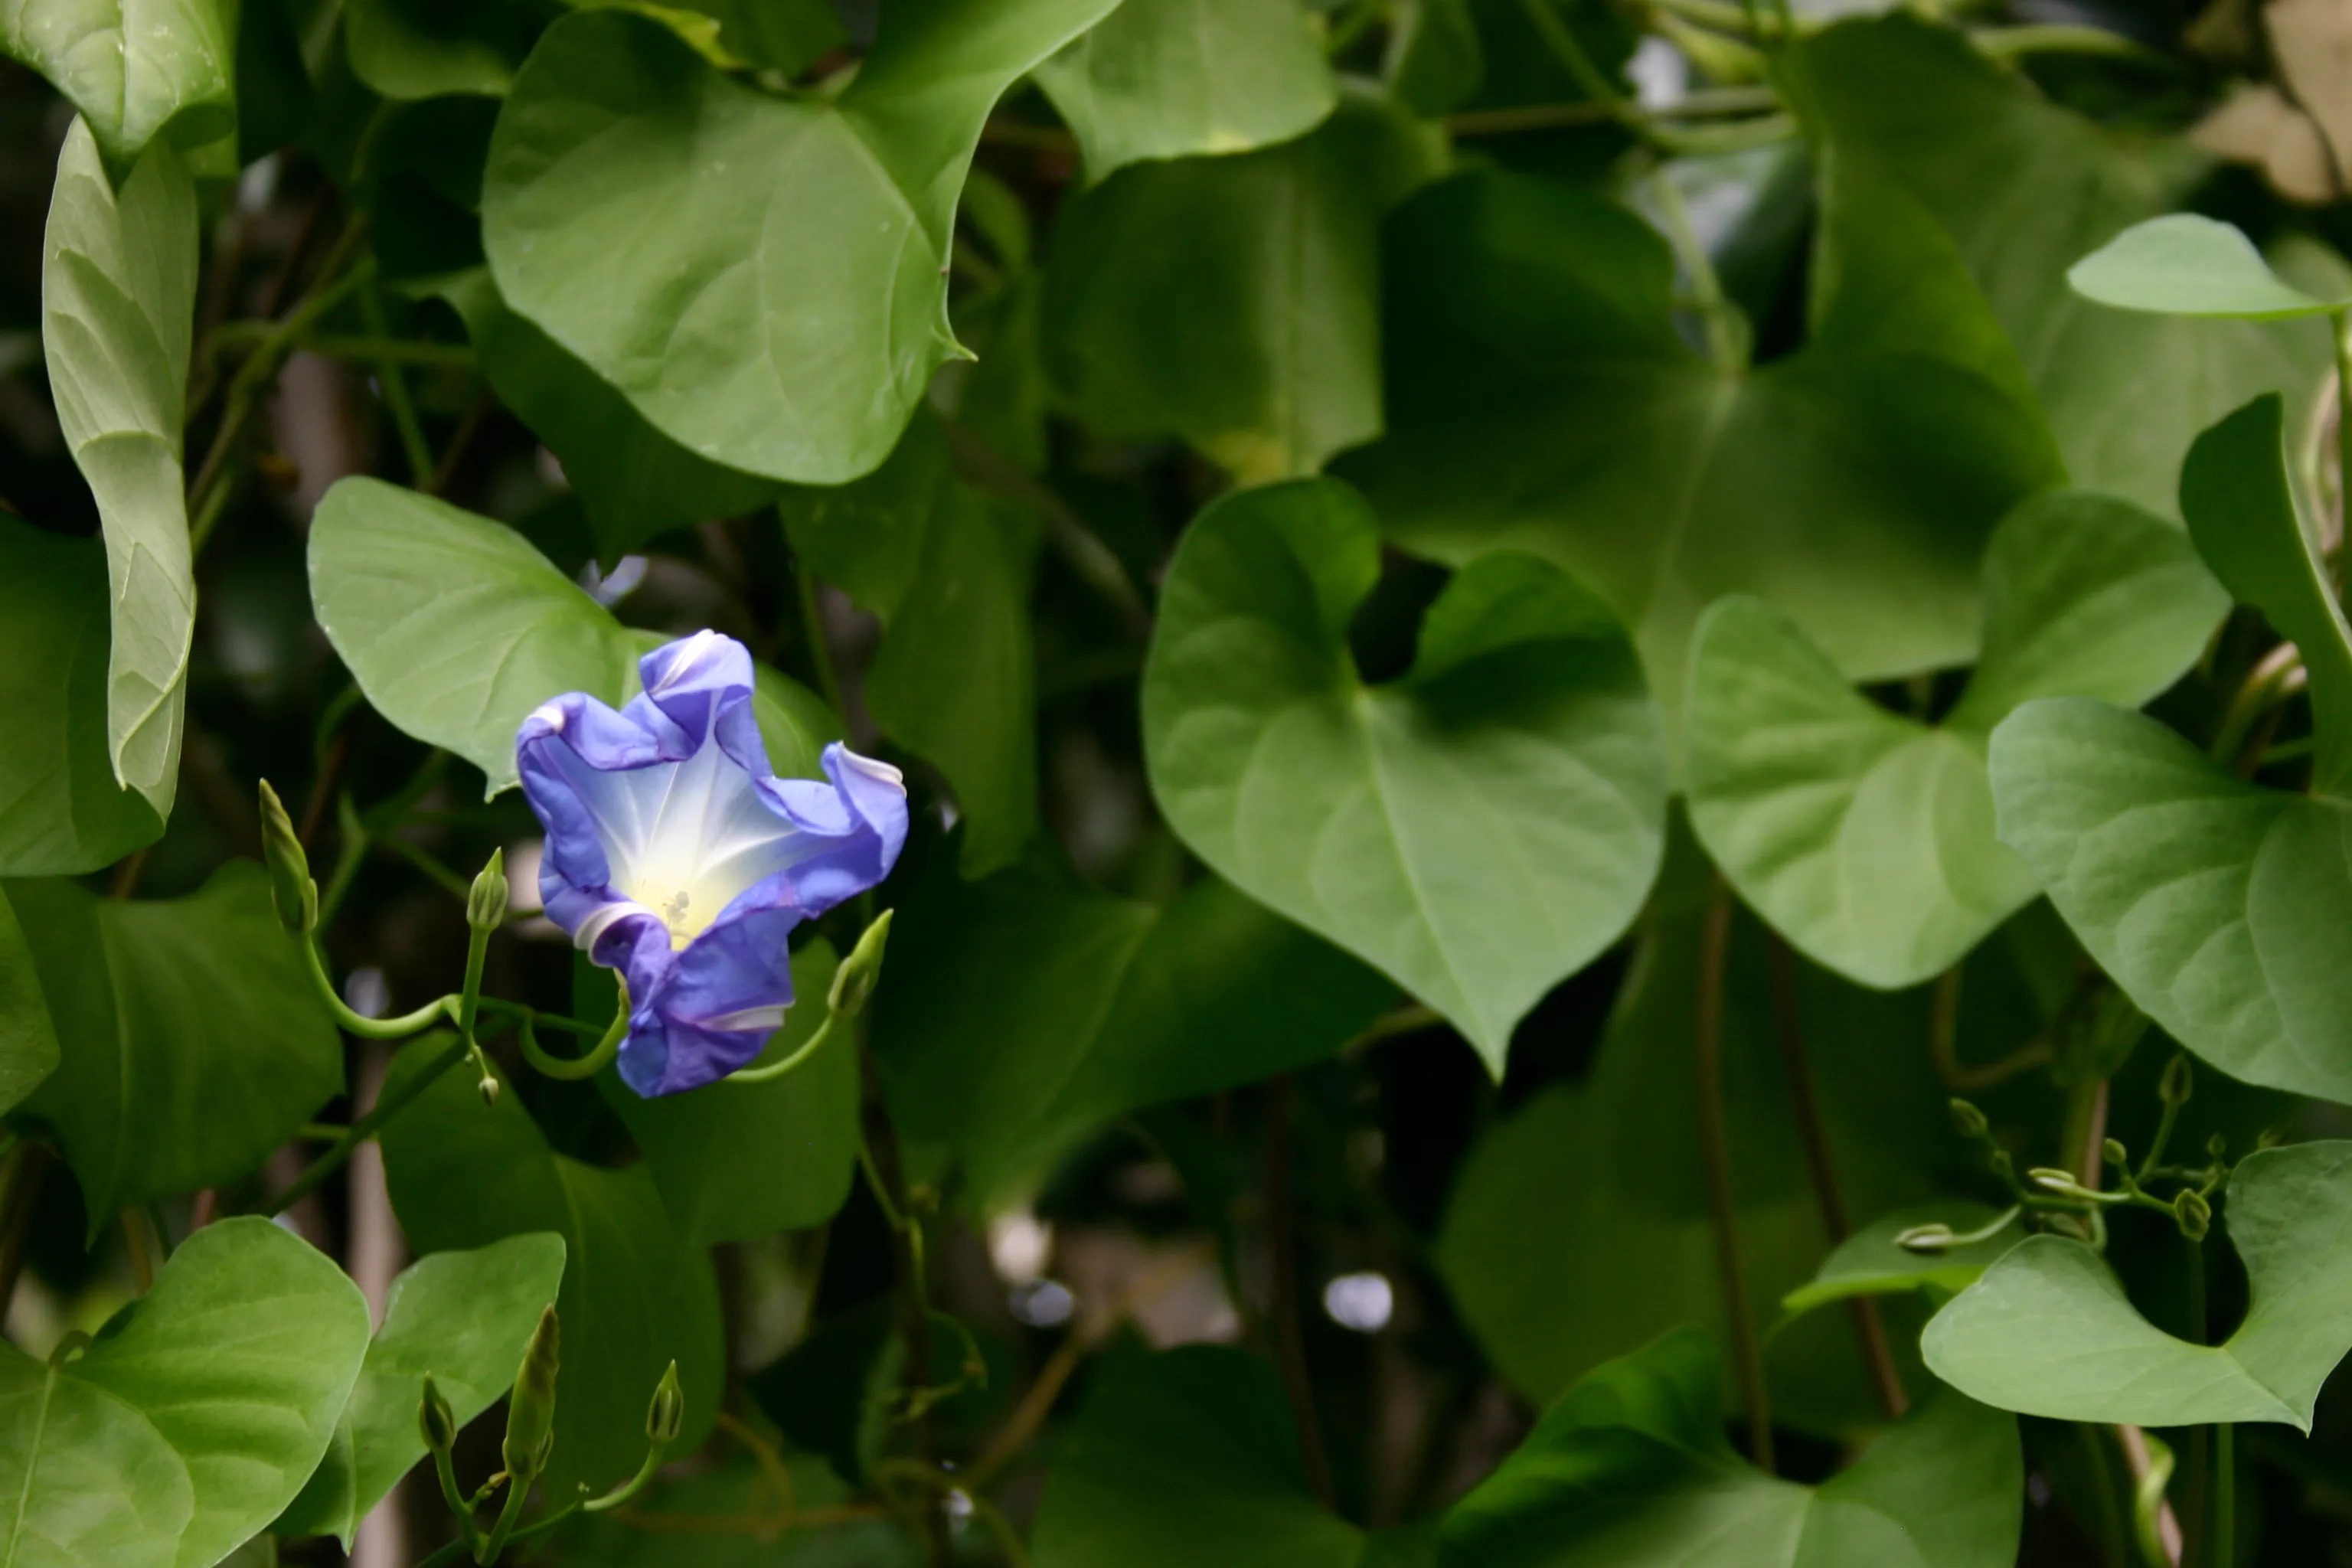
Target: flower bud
(530, 1409)
(2114, 1153)
(292, 890)
(1923, 1237)
(2052, 1180)
(2216, 1146)
(2193, 1214)
(435, 1420)
(854, 981)
(2174, 1087)
(489, 1089)
(667, 1414)
(486, 905)
(1968, 1120)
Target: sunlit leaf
(134, 71)
(2185, 265)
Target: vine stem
(1714, 1147)
(1788, 1029)
(1282, 1307)
(2341, 321)
(391, 1103)
(878, 1156)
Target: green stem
(1726, 339)
(413, 444)
(469, 1000)
(820, 647)
(2060, 39)
(356, 346)
(1706, 103)
(1714, 1148)
(510, 1515)
(2342, 335)
(791, 1064)
(598, 1059)
(623, 1494)
(455, 1498)
(389, 1104)
(368, 1029)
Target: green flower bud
(2193, 1214)
(2052, 1180)
(854, 981)
(667, 1414)
(486, 905)
(2216, 1146)
(1924, 1238)
(530, 1409)
(2174, 1087)
(489, 1089)
(1970, 1119)
(435, 1420)
(290, 886)
(2114, 1153)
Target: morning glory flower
(675, 856)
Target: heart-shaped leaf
(1234, 301)
(650, 214)
(192, 1044)
(2213, 901)
(1174, 78)
(2185, 265)
(1865, 837)
(805, 1125)
(1477, 830)
(1037, 1010)
(61, 811)
(463, 1318)
(134, 70)
(1541, 398)
(192, 1419)
(1631, 1467)
(2026, 188)
(118, 307)
(2048, 1330)
(464, 1174)
(455, 627)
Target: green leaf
(1870, 1263)
(190, 1042)
(2184, 265)
(1188, 1457)
(134, 71)
(634, 1295)
(1031, 1010)
(1631, 1467)
(947, 572)
(1172, 79)
(1865, 837)
(2026, 188)
(1541, 399)
(635, 482)
(61, 811)
(464, 1318)
(117, 304)
(2049, 1331)
(29, 1038)
(2210, 899)
(803, 1127)
(192, 1419)
(428, 49)
(1478, 830)
(1233, 301)
(456, 627)
(648, 214)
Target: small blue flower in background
(677, 858)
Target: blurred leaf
(616, 219)
(135, 71)
(118, 301)
(1542, 399)
(1866, 837)
(804, 1127)
(61, 812)
(1188, 1457)
(1871, 1263)
(427, 49)
(190, 1042)
(2184, 265)
(1172, 79)
(1234, 301)
(2048, 1331)
(1478, 830)
(192, 1417)
(2026, 188)
(947, 570)
(634, 1295)
(1631, 1467)
(462, 1317)
(635, 482)
(29, 1038)
(671, 1526)
(2213, 901)
(1029, 1010)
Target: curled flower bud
(854, 981)
(485, 904)
(667, 1414)
(2174, 1087)
(2052, 1180)
(435, 1420)
(530, 1409)
(1968, 1120)
(1924, 1238)
(2193, 1214)
(292, 890)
